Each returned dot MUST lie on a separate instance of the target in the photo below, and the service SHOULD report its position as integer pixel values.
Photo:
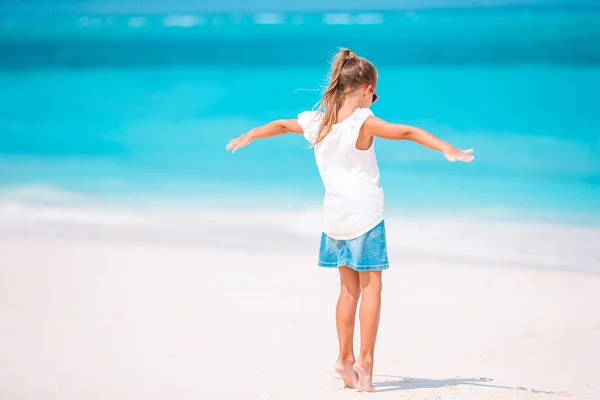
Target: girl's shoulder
(310, 121)
(361, 114)
(307, 118)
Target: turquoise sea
(139, 108)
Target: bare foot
(365, 377)
(348, 375)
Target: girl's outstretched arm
(379, 128)
(274, 128)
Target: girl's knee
(370, 280)
(352, 290)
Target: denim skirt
(367, 252)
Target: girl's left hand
(454, 155)
(238, 143)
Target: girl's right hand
(454, 154)
(239, 142)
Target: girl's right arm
(274, 128)
(376, 127)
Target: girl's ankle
(365, 361)
(346, 359)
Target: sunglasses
(375, 96)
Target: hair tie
(351, 55)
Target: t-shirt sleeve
(361, 116)
(308, 121)
(358, 120)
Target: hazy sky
(174, 6)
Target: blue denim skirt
(367, 252)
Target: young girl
(342, 132)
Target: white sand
(114, 319)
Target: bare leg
(370, 307)
(345, 316)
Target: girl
(342, 132)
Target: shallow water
(140, 108)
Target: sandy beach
(141, 260)
(87, 316)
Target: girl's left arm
(377, 127)
(274, 128)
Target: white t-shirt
(353, 196)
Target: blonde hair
(348, 71)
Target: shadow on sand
(395, 382)
(409, 383)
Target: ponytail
(333, 97)
(348, 72)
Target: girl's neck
(351, 103)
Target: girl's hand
(239, 142)
(453, 155)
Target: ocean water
(137, 109)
